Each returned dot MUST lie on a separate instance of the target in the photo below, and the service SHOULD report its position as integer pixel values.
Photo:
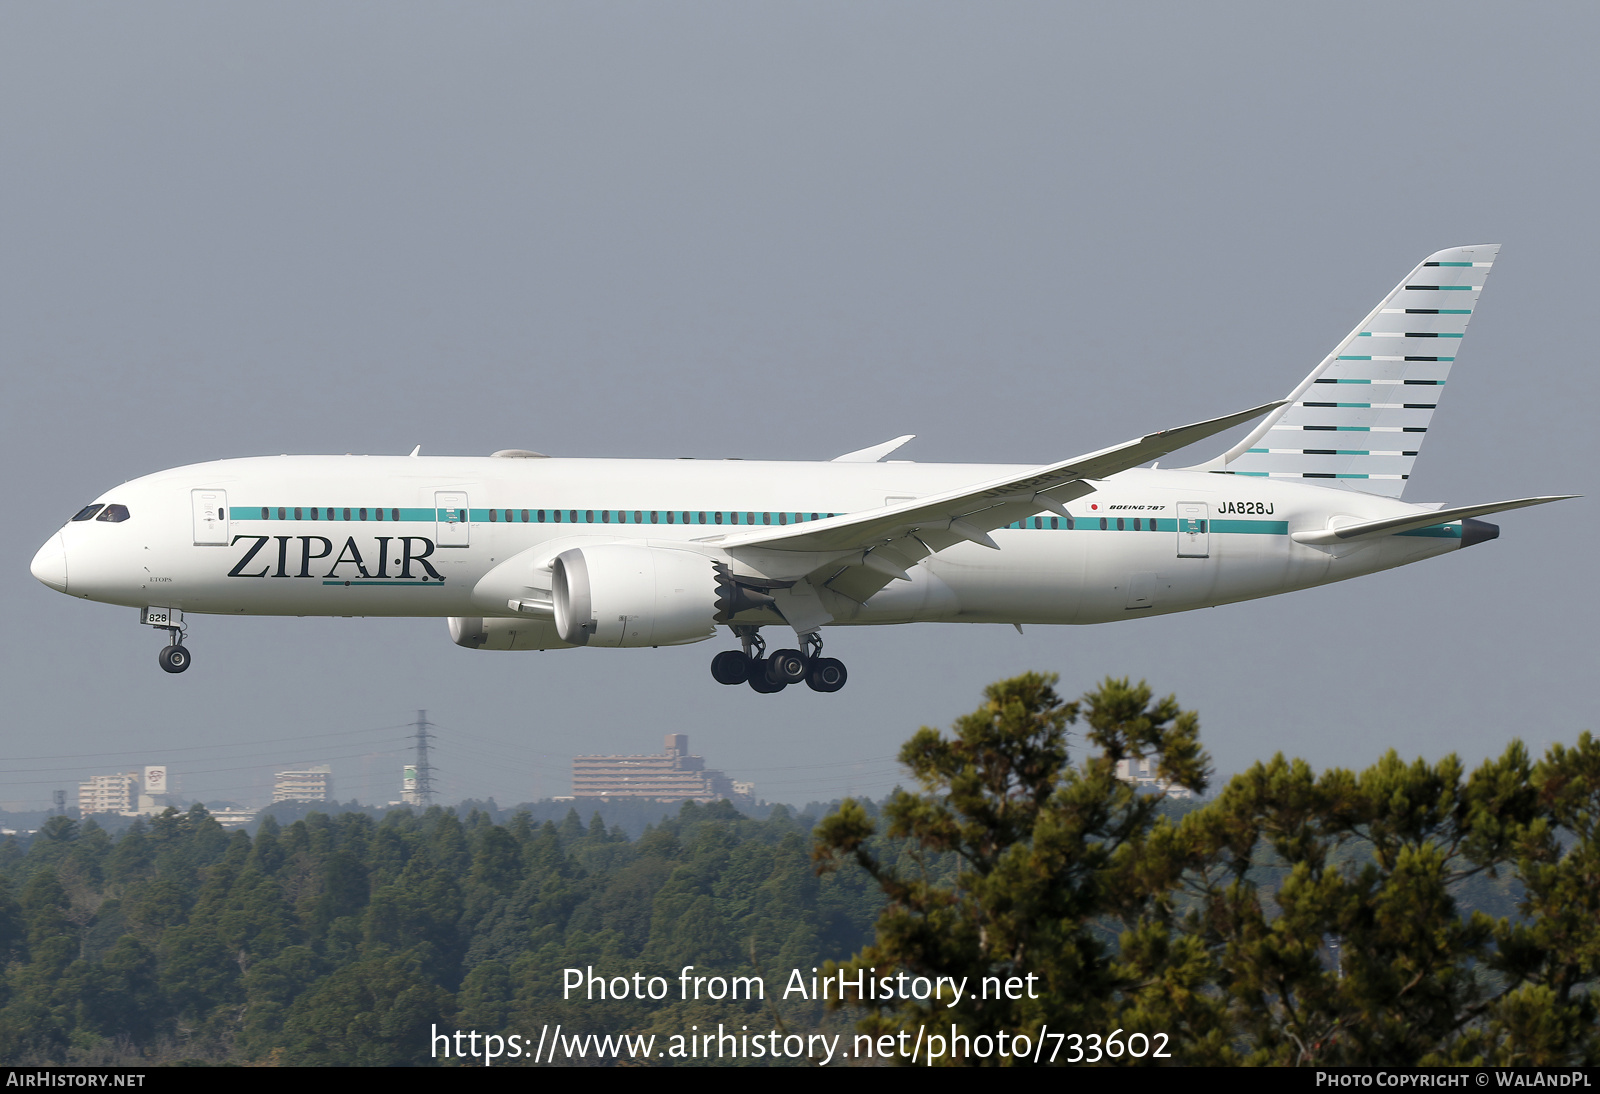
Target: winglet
(1185, 435)
(873, 454)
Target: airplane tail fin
(1360, 418)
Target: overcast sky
(779, 231)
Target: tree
(1351, 948)
(1042, 854)
(1297, 919)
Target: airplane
(525, 552)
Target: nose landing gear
(174, 657)
(767, 675)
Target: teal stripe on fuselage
(726, 517)
(1251, 527)
(369, 515)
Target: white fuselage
(415, 536)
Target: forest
(1409, 913)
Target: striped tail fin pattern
(1360, 418)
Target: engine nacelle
(618, 594)
(505, 634)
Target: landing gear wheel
(827, 674)
(175, 658)
(730, 667)
(786, 667)
(758, 678)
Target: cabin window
(363, 513)
(114, 514)
(89, 510)
(394, 514)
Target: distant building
(670, 776)
(308, 784)
(153, 790)
(130, 795)
(410, 787)
(108, 794)
(232, 818)
(1142, 774)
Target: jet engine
(522, 633)
(619, 594)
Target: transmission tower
(421, 792)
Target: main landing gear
(768, 674)
(175, 657)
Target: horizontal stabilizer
(1391, 526)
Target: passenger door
(210, 517)
(454, 527)
(1194, 530)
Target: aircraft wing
(875, 453)
(986, 506)
(891, 538)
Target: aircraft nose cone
(50, 564)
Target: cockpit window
(88, 511)
(114, 513)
